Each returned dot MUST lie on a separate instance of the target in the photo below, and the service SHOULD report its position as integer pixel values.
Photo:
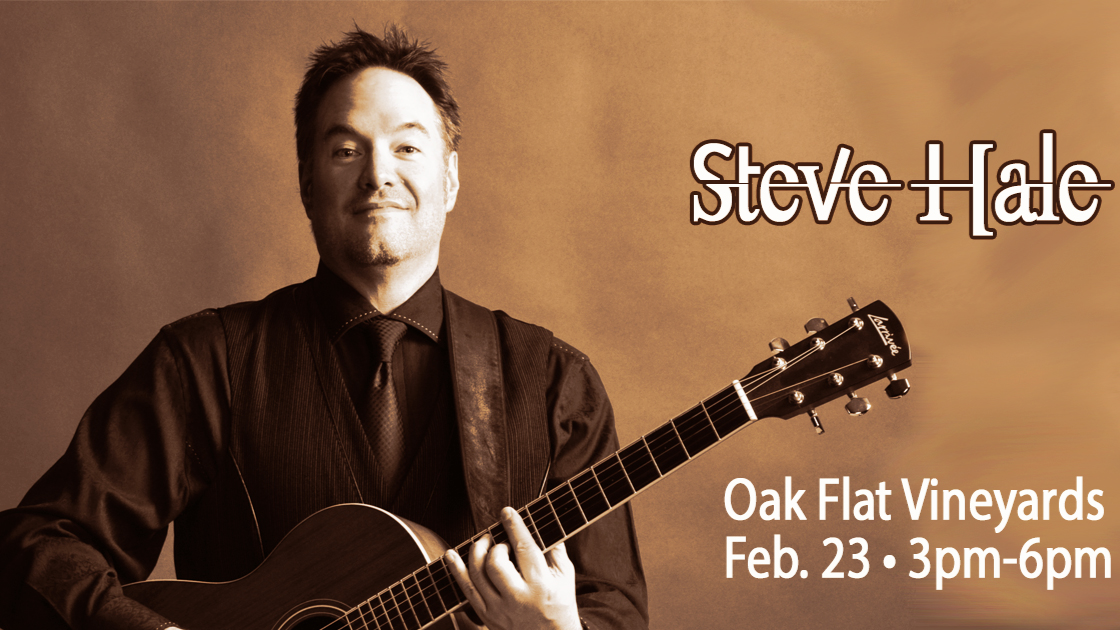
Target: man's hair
(360, 50)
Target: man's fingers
(557, 558)
(529, 557)
(508, 596)
(502, 572)
(477, 568)
(459, 570)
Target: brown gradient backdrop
(148, 171)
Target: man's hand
(542, 595)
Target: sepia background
(147, 171)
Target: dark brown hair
(360, 50)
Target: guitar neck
(820, 368)
(431, 592)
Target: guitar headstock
(834, 360)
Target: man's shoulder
(212, 323)
(560, 346)
(280, 300)
(520, 328)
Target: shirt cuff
(122, 613)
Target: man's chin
(382, 252)
(374, 255)
(382, 259)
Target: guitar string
(346, 617)
(689, 430)
(444, 580)
(414, 608)
(373, 612)
(722, 404)
(333, 625)
(433, 588)
(717, 406)
(613, 474)
(612, 478)
(408, 600)
(731, 400)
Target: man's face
(380, 181)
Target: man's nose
(378, 171)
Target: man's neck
(387, 286)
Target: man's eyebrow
(343, 129)
(413, 125)
(340, 129)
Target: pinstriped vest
(295, 446)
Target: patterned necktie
(383, 415)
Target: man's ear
(305, 188)
(451, 185)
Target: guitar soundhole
(313, 616)
(318, 622)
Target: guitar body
(329, 563)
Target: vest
(294, 444)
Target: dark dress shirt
(420, 364)
(422, 379)
(99, 516)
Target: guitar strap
(499, 368)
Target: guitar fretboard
(431, 591)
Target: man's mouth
(373, 207)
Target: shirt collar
(344, 308)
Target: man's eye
(409, 149)
(345, 153)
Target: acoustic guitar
(356, 567)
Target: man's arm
(99, 516)
(610, 582)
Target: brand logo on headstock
(884, 334)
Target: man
(368, 383)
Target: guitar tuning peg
(852, 304)
(815, 325)
(816, 421)
(777, 344)
(898, 387)
(857, 406)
